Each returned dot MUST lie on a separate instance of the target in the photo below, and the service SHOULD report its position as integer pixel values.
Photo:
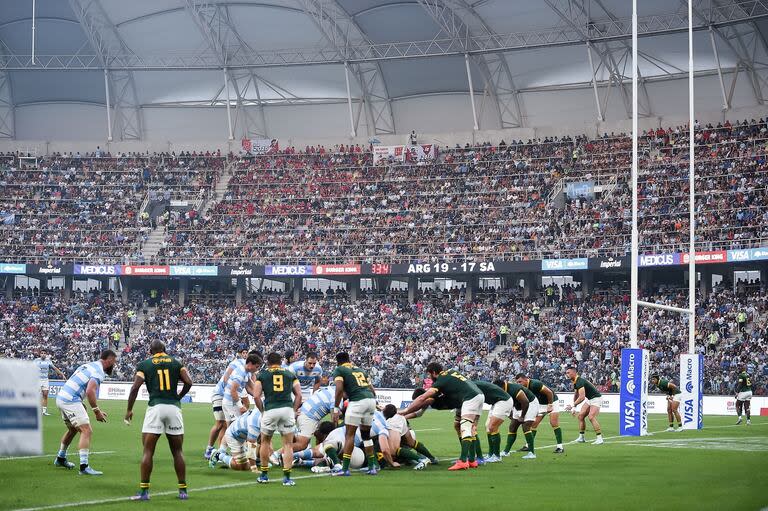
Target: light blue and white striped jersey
(246, 427)
(319, 404)
(74, 389)
(44, 364)
(218, 390)
(379, 427)
(307, 379)
(240, 376)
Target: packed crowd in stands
(506, 201)
(497, 336)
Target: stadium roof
(172, 52)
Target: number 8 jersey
(355, 382)
(277, 385)
(161, 373)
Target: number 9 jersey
(277, 385)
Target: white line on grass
(9, 458)
(156, 494)
(428, 429)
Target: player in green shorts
(161, 374)
(743, 395)
(673, 401)
(585, 392)
(282, 400)
(456, 387)
(548, 405)
(353, 381)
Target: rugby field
(721, 467)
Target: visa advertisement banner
(691, 391)
(747, 254)
(194, 271)
(633, 399)
(13, 268)
(581, 263)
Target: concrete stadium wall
(444, 119)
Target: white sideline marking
(161, 493)
(744, 444)
(9, 458)
(428, 429)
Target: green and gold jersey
(277, 385)
(744, 384)
(443, 402)
(514, 389)
(589, 390)
(536, 386)
(456, 386)
(355, 382)
(664, 386)
(493, 393)
(161, 373)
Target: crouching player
(502, 405)
(526, 408)
(242, 438)
(673, 401)
(330, 443)
(398, 423)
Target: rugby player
(673, 401)
(353, 381)
(242, 438)
(161, 373)
(309, 373)
(525, 409)
(234, 402)
(455, 387)
(278, 413)
(84, 382)
(331, 441)
(312, 411)
(45, 365)
(743, 395)
(585, 392)
(398, 423)
(502, 405)
(548, 405)
(219, 424)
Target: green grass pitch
(722, 467)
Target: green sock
(478, 447)
(287, 473)
(372, 461)
(466, 445)
(422, 449)
(558, 435)
(494, 444)
(510, 441)
(529, 439)
(347, 459)
(408, 454)
(534, 433)
(144, 487)
(183, 487)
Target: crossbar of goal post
(635, 363)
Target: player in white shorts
(242, 439)
(744, 395)
(585, 392)
(312, 411)
(45, 365)
(219, 424)
(84, 383)
(234, 402)
(549, 404)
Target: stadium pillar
(531, 284)
(124, 288)
(413, 287)
(296, 285)
(587, 283)
(240, 291)
(472, 285)
(705, 284)
(382, 284)
(353, 286)
(764, 279)
(183, 290)
(69, 281)
(10, 283)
